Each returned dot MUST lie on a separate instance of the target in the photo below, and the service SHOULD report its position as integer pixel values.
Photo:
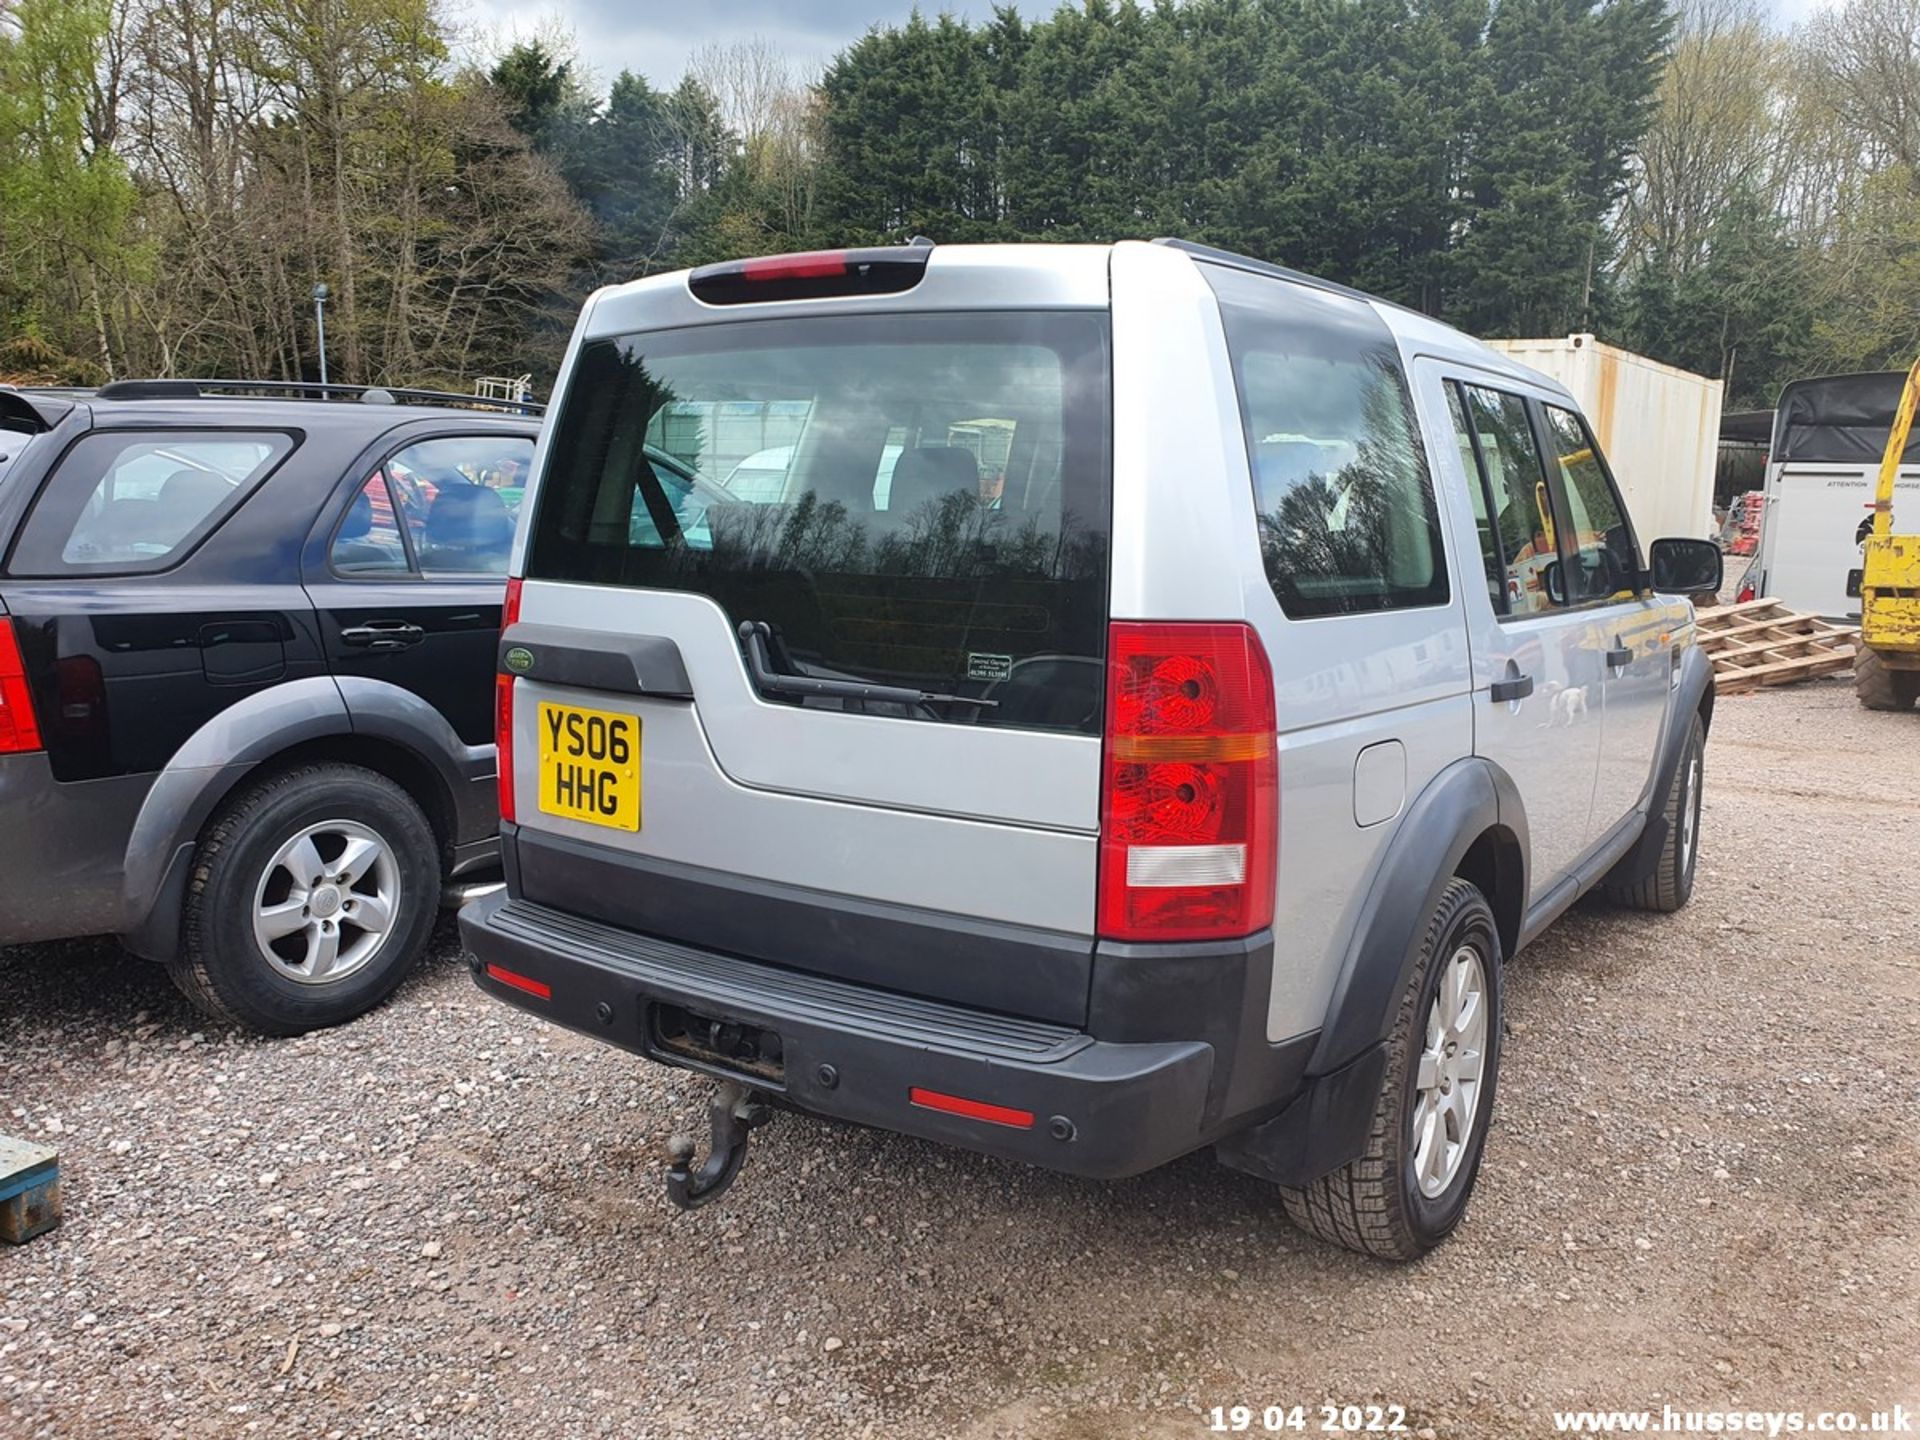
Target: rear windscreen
(918, 501)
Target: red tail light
(19, 731)
(1190, 784)
(503, 709)
(1746, 594)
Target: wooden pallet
(1761, 642)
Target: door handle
(1620, 656)
(1514, 687)
(383, 635)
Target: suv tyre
(312, 895)
(1409, 1189)
(1671, 884)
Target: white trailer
(1829, 435)
(1659, 427)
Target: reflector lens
(1190, 784)
(539, 989)
(971, 1109)
(19, 730)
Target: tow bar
(736, 1114)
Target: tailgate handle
(755, 634)
(383, 635)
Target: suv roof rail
(307, 389)
(1237, 261)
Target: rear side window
(919, 502)
(458, 495)
(1347, 517)
(1516, 534)
(123, 502)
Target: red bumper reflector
(539, 989)
(971, 1109)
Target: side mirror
(1554, 577)
(1685, 567)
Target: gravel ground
(447, 1219)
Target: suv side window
(1347, 517)
(445, 504)
(126, 502)
(1606, 561)
(1518, 536)
(368, 541)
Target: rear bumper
(62, 850)
(1101, 1107)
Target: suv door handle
(1514, 687)
(1620, 656)
(383, 635)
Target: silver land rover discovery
(1136, 698)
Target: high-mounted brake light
(812, 274)
(503, 709)
(1189, 784)
(19, 731)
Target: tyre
(1671, 884)
(311, 897)
(1881, 688)
(1408, 1191)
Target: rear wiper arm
(754, 635)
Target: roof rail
(309, 390)
(1217, 256)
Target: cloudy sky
(655, 37)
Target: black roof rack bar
(374, 394)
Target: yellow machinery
(1886, 672)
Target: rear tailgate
(896, 779)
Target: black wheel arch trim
(1469, 799)
(1693, 693)
(255, 731)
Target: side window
(1606, 560)
(128, 501)
(1491, 560)
(368, 541)
(1347, 517)
(1520, 515)
(457, 495)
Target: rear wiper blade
(754, 635)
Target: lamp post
(320, 324)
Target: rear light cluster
(1189, 784)
(877, 270)
(503, 709)
(19, 731)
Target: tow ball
(735, 1115)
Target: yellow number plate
(590, 765)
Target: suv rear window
(1346, 510)
(126, 501)
(917, 501)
